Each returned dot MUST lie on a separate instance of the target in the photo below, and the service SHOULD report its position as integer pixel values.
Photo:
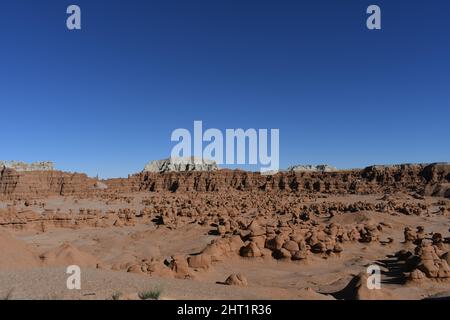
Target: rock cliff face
(43, 183)
(181, 165)
(432, 180)
(22, 166)
(425, 179)
(310, 168)
(429, 179)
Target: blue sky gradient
(105, 100)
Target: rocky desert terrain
(223, 234)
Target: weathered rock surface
(23, 166)
(431, 180)
(237, 280)
(432, 261)
(311, 168)
(375, 179)
(180, 165)
(43, 183)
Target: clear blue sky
(104, 100)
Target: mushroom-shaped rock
(255, 229)
(291, 246)
(180, 266)
(236, 280)
(251, 250)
